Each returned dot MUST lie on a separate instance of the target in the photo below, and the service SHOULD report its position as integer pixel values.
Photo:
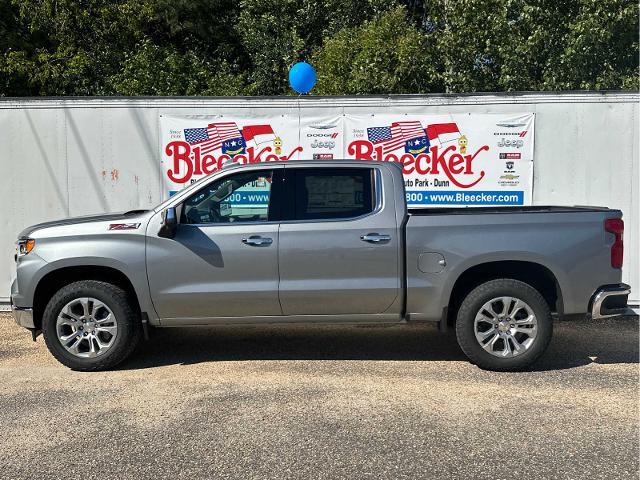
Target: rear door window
(325, 193)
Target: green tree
(498, 45)
(103, 47)
(277, 33)
(226, 47)
(600, 48)
(156, 70)
(72, 46)
(384, 55)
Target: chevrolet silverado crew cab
(316, 242)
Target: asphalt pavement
(323, 403)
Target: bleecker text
(457, 167)
(188, 161)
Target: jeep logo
(506, 142)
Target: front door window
(242, 197)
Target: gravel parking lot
(323, 402)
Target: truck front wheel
(504, 325)
(90, 325)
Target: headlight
(24, 246)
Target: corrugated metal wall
(67, 157)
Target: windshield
(185, 191)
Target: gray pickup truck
(316, 242)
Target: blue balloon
(302, 77)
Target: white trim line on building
(427, 100)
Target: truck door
(223, 261)
(339, 251)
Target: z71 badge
(124, 226)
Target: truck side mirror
(169, 223)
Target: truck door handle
(257, 241)
(375, 238)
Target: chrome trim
(232, 168)
(377, 187)
(375, 238)
(257, 240)
(23, 316)
(601, 295)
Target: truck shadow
(574, 344)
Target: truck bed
(569, 242)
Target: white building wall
(68, 157)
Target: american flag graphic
(393, 137)
(211, 138)
(226, 131)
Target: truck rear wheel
(90, 325)
(504, 325)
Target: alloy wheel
(86, 327)
(505, 327)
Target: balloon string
(299, 123)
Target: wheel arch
(54, 280)
(535, 274)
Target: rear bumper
(609, 301)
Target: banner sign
(447, 160)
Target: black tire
(482, 294)
(127, 320)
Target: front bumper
(609, 301)
(23, 316)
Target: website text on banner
(447, 160)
